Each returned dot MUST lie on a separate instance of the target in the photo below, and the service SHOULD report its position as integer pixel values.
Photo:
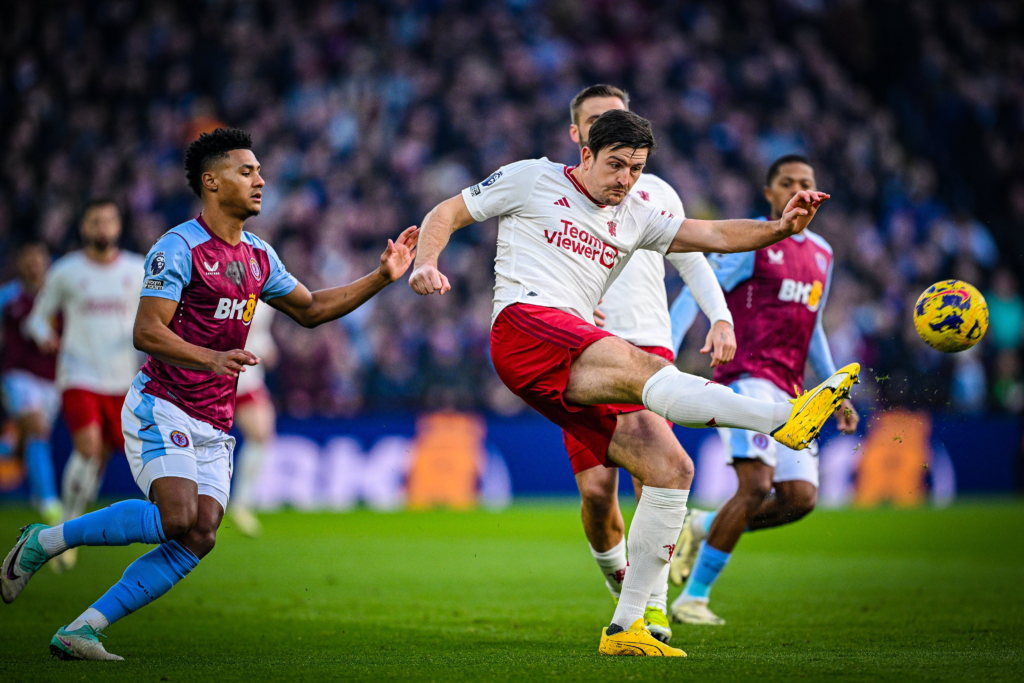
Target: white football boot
(82, 643)
(695, 612)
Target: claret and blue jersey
(216, 286)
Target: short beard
(100, 244)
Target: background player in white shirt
(635, 308)
(96, 290)
(255, 418)
(564, 234)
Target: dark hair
(99, 201)
(209, 147)
(599, 90)
(773, 170)
(618, 128)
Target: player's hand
(599, 317)
(720, 343)
(232, 362)
(801, 209)
(397, 258)
(50, 345)
(427, 279)
(847, 417)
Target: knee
(598, 498)
(201, 540)
(679, 468)
(178, 520)
(802, 501)
(753, 495)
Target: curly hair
(209, 147)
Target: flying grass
(856, 595)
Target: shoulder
(189, 234)
(649, 182)
(819, 241)
(69, 261)
(254, 241)
(527, 170)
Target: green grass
(511, 596)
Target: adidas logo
(563, 202)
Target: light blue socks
(124, 523)
(709, 564)
(40, 471)
(146, 579)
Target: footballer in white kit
(96, 290)
(564, 235)
(635, 308)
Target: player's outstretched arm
(310, 309)
(444, 219)
(736, 235)
(153, 335)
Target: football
(951, 316)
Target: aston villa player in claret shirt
(202, 280)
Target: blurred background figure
(95, 291)
(255, 419)
(28, 373)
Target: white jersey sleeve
(491, 198)
(39, 324)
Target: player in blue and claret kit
(201, 284)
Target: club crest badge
(254, 267)
(179, 439)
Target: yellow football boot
(812, 408)
(637, 641)
(656, 622)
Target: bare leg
(599, 507)
(755, 483)
(791, 501)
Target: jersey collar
(579, 186)
(215, 237)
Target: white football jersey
(98, 302)
(636, 304)
(261, 343)
(556, 246)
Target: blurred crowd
(364, 115)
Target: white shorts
(160, 440)
(25, 393)
(789, 465)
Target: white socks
(613, 566)
(659, 595)
(693, 401)
(652, 539)
(248, 473)
(52, 540)
(91, 616)
(79, 485)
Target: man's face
(590, 109)
(32, 265)
(611, 175)
(101, 226)
(237, 183)
(791, 178)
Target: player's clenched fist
(801, 209)
(232, 362)
(427, 279)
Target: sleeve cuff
(474, 207)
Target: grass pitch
(512, 596)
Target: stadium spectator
(366, 114)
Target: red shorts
(532, 348)
(83, 408)
(579, 455)
(257, 395)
